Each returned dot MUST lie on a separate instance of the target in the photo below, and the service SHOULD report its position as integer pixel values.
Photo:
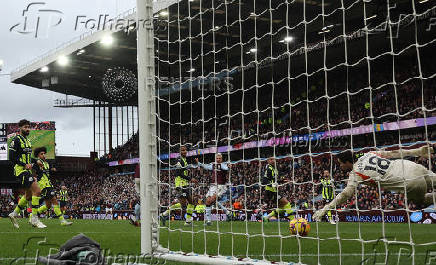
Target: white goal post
(147, 126)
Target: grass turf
(119, 239)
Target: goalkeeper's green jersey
(269, 178)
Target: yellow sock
(189, 210)
(288, 208)
(42, 209)
(35, 205)
(329, 214)
(58, 212)
(176, 206)
(21, 204)
(271, 214)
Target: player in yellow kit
(47, 191)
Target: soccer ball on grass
(299, 226)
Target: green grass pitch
(119, 240)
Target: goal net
(280, 89)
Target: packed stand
(291, 113)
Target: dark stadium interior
(221, 46)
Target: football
(299, 226)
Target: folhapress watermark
(37, 20)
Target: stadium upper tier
(227, 39)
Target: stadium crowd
(6, 205)
(102, 190)
(46, 125)
(344, 106)
(98, 191)
(301, 178)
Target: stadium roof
(226, 32)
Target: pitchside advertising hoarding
(378, 216)
(345, 216)
(42, 134)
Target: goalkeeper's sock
(189, 211)
(329, 214)
(208, 213)
(176, 206)
(42, 209)
(22, 203)
(35, 205)
(287, 208)
(222, 207)
(271, 214)
(58, 212)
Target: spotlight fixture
(63, 60)
(107, 40)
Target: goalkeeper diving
(388, 170)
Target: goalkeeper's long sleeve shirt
(401, 153)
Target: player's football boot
(65, 223)
(13, 217)
(332, 221)
(34, 221)
(132, 220)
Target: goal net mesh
(299, 81)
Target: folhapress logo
(37, 20)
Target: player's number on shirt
(378, 164)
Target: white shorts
(405, 174)
(410, 177)
(217, 190)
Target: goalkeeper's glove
(426, 150)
